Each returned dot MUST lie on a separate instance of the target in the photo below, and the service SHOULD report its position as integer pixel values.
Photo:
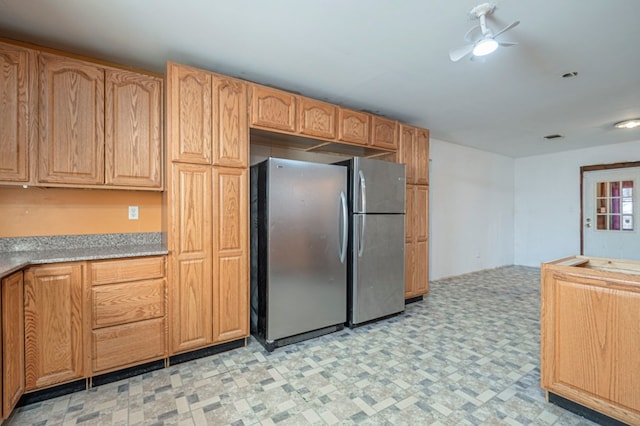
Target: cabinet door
(15, 64)
(53, 325)
(384, 133)
(71, 121)
(133, 129)
(354, 126)
(421, 241)
(189, 114)
(409, 271)
(191, 254)
(12, 346)
(273, 109)
(316, 118)
(231, 254)
(421, 156)
(406, 151)
(231, 129)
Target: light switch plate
(133, 212)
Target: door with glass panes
(610, 213)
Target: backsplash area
(67, 211)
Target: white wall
(547, 200)
(471, 210)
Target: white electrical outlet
(133, 212)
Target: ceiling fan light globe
(485, 47)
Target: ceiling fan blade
(507, 28)
(507, 43)
(456, 54)
(467, 36)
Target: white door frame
(591, 168)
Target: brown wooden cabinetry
(16, 112)
(354, 126)
(316, 118)
(272, 109)
(417, 241)
(384, 133)
(230, 253)
(12, 382)
(189, 114)
(207, 206)
(230, 122)
(53, 311)
(71, 121)
(128, 316)
(191, 255)
(413, 150)
(590, 337)
(133, 130)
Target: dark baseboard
(52, 392)
(211, 350)
(413, 300)
(583, 411)
(126, 373)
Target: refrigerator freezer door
(307, 268)
(378, 186)
(378, 266)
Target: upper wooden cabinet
(54, 334)
(71, 122)
(272, 108)
(316, 118)
(421, 157)
(71, 119)
(413, 150)
(133, 130)
(354, 127)
(189, 114)
(230, 122)
(16, 112)
(384, 133)
(11, 343)
(406, 151)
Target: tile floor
(466, 355)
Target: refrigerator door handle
(345, 226)
(363, 192)
(363, 224)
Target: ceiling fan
(486, 42)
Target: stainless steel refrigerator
(376, 243)
(299, 237)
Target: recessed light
(570, 74)
(554, 136)
(628, 124)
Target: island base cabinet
(53, 312)
(11, 343)
(590, 338)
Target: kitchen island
(590, 334)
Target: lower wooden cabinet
(417, 241)
(11, 343)
(590, 334)
(128, 315)
(53, 312)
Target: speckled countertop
(16, 253)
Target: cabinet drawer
(126, 345)
(118, 271)
(122, 303)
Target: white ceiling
(383, 56)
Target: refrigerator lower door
(377, 281)
(306, 263)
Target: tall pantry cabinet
(414, 152)
(206, 205)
